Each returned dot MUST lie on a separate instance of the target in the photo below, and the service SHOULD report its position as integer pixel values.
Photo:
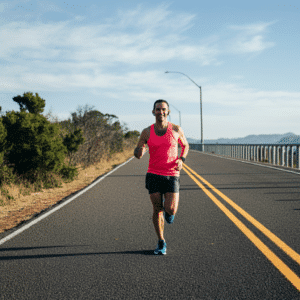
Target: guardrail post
(249, 152)
(292, 157)
(256, 153)
(265, 153)
(298, 156)
(274, 155)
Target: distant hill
(286, 138)
(290, 140)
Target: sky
(113, 55)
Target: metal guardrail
(287, 155)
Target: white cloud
(155, 18)
(74, 54)
(103, 44)
(249, 38)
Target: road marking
(282, 245)
(59, 206)
(273, 258)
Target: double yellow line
(276, 261)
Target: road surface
(100, 244)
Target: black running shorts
(163, 184)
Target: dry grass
(24, 207)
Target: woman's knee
(171, 203)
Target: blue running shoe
(169, 218)
(161, 248)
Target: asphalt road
(100, 245)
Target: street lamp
(179, 114)
(202, 144)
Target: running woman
(162, 178)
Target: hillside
(254, 139)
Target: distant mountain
(290, 140)
(285, 138)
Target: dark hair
(160, 101)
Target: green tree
(103, 134)
(72, 141)
(33, 104)
(32, 142)
(3, 134)
(132, 134)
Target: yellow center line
(282, 245)
(276, 261)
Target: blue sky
(113, 55)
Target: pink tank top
(163, 152)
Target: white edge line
(246, 162)
(59, 206)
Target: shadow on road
(19, 257)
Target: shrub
(68, 173)
(32, 142)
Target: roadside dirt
(26, 207)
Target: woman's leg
(158, 218)
(171, 203)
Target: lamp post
(179, 114)
(201, 120)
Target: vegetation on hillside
(39, 151)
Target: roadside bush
(69, 173)
(3, 134)
(37, 180)
(32, 142)
(72, 141)
(6, 175)
(103, 135)
(132, 135)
